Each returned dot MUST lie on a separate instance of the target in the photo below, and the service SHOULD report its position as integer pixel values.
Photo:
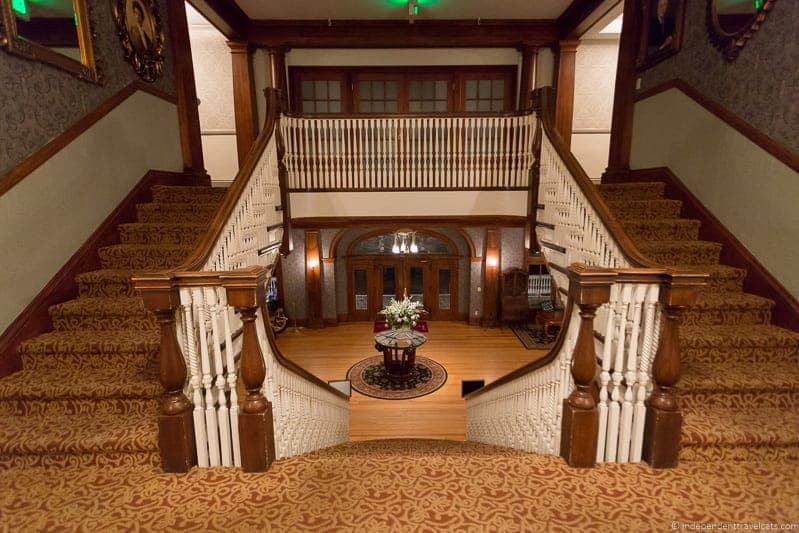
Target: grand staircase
(739, 389)
(88, 392)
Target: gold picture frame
(141, 36)
(22, 46)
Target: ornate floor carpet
(369, 377)
(88, 393)
(532, 336)
(739, 389)
(401, 486)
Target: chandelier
(404, 242)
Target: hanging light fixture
(404, 242)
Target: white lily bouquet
(402, 313)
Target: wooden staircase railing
(214, 337)
(587, 399)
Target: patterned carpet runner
(739, 389)
(88, 392)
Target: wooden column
(243, 98)
(526, 83)
(564, 108)
(175, 423)
(621, 127)
(313, 278)
(531, 238)
(491, 278)
(287, 244)
(588, 288)
(663, 417)
(246, 292)
(188, 115)
(277, 69)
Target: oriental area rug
(369, 377)
(533, 336)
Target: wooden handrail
(204, 248)
(462, 114)
(213, 279)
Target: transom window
(380, 90)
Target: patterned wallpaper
(39, 101)
(761, 85)
(213, 74)
(595, 79)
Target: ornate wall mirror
(731, 23)
(56, 32)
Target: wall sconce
(313, 264)
(491, 261)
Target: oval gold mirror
(56, 32)
(731, 23)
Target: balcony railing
(408, 153)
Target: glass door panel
(361, 290)
(416, 284)
(388, 286)
(444, 289)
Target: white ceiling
(398, 9)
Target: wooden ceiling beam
(581, 15)
(401, 34)
(224, 15)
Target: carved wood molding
(791, 159)
(39, 157)
(400, 34)
(391, 221)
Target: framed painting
(661, 31)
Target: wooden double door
(431, 281)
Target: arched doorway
(380, 268)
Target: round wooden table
(399, 351)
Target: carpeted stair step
(738, 344)
(142, 256)
(102, 314)
(728, 308)
(105, 283)
(642, 190)
(183, 213)
(187, 194)
(723, 278)
(730, 434)
(133, 350)
(681, 252)
(161, 233)
(663, 229)
(95, 438)
(651, 209)
(756, 385)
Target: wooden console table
(399, 351)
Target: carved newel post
(175, 423)
(246, 291)
(663, 417)
(588, 288)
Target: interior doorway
(376, 275)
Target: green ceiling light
(20, 8)
(758, 4)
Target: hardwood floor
(467, 352)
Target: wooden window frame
(456, 77)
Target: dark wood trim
(545, 225)
(581, 15)
(552, 246)
(758, 280)
(526, 81)
(243, 98)
(40, 156)
(224, 15)
(491, 271)
(394, 189)
(778, 150)
(314, 278)
(621, 128)
(277, 74)
(351, 222)
(188, 114)
(400, 34)
(35, 319)
(564, 106)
